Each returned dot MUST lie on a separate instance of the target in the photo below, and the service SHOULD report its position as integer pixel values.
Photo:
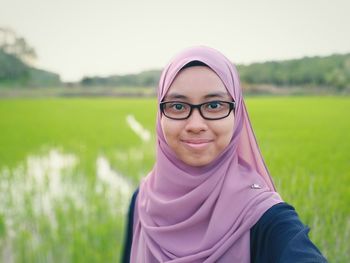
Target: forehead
(195, 83)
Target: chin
(197, 162)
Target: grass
(304, 140)
(306, 147)
(87, 127)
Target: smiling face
(197, 141)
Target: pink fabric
(203, 214)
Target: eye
(213, 105)
(176, 106)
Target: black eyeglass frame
(232, 105)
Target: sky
(77, 38)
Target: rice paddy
(68, 168)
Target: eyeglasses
(211, 110)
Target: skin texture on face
(197, 141)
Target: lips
(196, 144)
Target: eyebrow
(217, 94)
(207, 96)
(175, 96)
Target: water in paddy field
(50, 211)
(44, 188)
(143, 133)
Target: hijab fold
(203, 214)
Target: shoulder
(133, 198)
(132, 208)
(129, 229)
(280, 236)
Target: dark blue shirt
(278, 236)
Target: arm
(280, 236)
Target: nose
(196, 123)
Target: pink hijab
(203, 214)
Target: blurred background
(78, 83)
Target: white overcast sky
(101, 37)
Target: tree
(15, 45)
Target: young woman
(209, 197)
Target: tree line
(147, 78)
(16, 59)
(330, 72)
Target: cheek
(224, 132)
(171, 129)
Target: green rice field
(69, 166)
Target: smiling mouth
(196, 144)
